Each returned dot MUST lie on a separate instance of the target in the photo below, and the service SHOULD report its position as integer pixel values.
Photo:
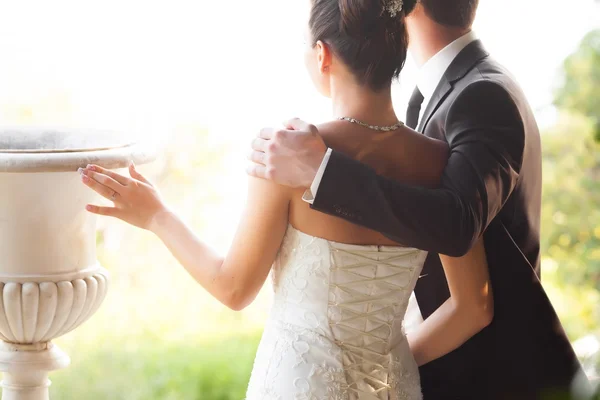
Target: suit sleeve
(485, 134)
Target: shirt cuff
(311, 193)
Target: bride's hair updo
(365, 35)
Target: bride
(335, 329)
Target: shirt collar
(433, 70)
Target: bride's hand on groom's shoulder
(136, 200)
(290, 156)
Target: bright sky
(143, 67)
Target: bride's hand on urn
(136, 200)
(290, 156)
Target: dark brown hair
(454, 13)
(364, 35)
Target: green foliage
(158, 370)
(571, 203)
(571, 227)
(580, 91)
(571, 200)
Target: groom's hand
(290, 156)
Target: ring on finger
(113, 196)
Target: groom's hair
(454, 13)
(365, 35)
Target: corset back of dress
(353, 298)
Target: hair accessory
(394, 7)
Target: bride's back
(403, 155)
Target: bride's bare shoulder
(331, 129)
(403, 154)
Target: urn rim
(48, 149)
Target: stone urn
(50, 280)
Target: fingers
(297, 124)
(257, 157)
(123, 180)
(257, 170)
(136, 175)
(103, 180)
(266, 133)
(107, 211)
(259, 144)
(100, 188)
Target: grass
(213, 369)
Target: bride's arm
(235, 279)
(469, 309)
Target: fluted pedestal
(34, 313)
(50, 280)
(26, 369)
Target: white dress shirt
(429, 76)
(433, 70)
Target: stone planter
(50, 280)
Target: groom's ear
(324, 57)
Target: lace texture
(335, 328)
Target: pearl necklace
(397, 125)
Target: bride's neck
(359, 102)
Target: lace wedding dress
(335, 329)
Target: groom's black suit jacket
(491, 186)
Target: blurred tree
(571, 194)
(580, 91)
(571, 223)
(571, 201)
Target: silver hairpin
(394, 7)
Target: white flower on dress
(335, 378)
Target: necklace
(374, 127)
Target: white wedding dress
(335, 329)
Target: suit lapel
(442, 90)
(460, 66)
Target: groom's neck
(430, 39)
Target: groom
(491, 187)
